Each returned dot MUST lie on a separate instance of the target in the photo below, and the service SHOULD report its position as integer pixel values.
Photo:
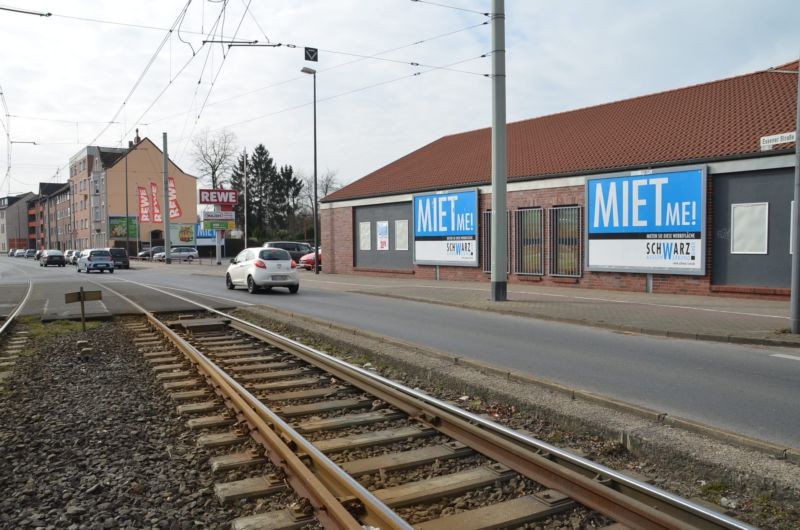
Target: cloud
(560, 56)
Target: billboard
(117, 228)
(648, 221)
(446, 228)
(182, 234)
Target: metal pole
(499, 155)
(165, 205)
(795, 302)
(127, 222)
(316, 223)
(245, 197)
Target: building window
(486, 241)
(529, 241)
(364, 236)
(749, 228)
(565, 241)
(401, 234)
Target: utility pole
(245, 197)
(795, 301)
(165, 206)
(499, 248)
(127, 222)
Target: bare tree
(213, 154)
(327, 183)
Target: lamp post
(307, 70)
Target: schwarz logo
(671, 251)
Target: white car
(178, 254)
(258, 267)
(95, 259)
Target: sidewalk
(724, 319)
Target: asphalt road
(739, 388)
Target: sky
(392, 75)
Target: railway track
(12, 344)
(364, 451)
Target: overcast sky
(65, 78)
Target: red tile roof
(711, 121)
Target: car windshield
(274, 254)
(102, 253)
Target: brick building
(100, 199)
(684, 191)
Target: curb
(779, 452)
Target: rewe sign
(219, 197)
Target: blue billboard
(446, 228)
(647, 221)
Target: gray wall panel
(758, 270)
(383, 259)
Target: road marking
(201, 294)
(204, 295)
(786, 356)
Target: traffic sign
(219, 225)
(312, 54)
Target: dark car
(296, 249)
(52, 257)
(148, 254)
(30, 253)
(120, 257)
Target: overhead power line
(321, 70)
(486, 14)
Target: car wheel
(251, 285)
(229, 282)
(294, 288)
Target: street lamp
(307, 70)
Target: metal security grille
(565, 241)
(486, 242)
(529, 241)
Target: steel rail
(654, 502)
(17, 310)
(324, 483)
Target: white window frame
(766, 228)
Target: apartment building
(109, 184)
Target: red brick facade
(337, 235)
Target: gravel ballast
(89, 440)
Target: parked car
(148, 254)
(96, 259)
(295, 248)
(178, 254)
(30, 253)
(257, 268)
(52, 257)
(307, 261)
(11, 252)
(20, 253)
(120, 257)
(38, 254)
(68, 254)
(73, 260)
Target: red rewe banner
(156, 208)
(221, 196)
(144, 205)
(174, 207)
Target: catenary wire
(484, 13)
